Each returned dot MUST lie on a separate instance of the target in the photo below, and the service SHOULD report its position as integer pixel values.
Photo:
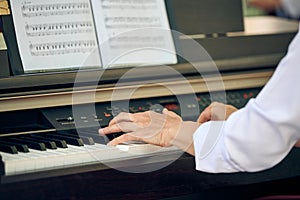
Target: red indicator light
(171, 106)
(107, 114)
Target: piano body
(50, 148)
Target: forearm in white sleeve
(260, 135)
(211, 154)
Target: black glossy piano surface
(177, 181)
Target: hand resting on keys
(216, 112)
(164, 129)
(219, 112)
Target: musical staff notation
(129, 4)
(126, 7)
(110, 2)
(54, 35)
(59, 28)
(55, 9)
(133, 42)
(62, 48)
(132, 22)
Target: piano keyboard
(35, 147)
(50, 151)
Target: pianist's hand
(216, 112)
(219, 111)
(164, 129)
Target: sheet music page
(133, 32)
(56, 34)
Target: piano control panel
(187, 106)
(60, 137)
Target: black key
(31, 144)
(97, 138)
(48, 144)
(73, 133)
(87, 140)
(59, 143)
(93, 133)
(8, 148)
(20, 147)
(70, 140)
(114, 135)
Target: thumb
(205, 116)
(169, 113)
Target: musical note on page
(37, 10)
(61, 48)
(59, 28)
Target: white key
(73, 156)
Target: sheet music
(133, 32)
(57, 34)
(61, 34)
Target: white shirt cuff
(210, 150)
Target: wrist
(184, 136)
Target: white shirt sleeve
(261, 134)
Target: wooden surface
(229, 82)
